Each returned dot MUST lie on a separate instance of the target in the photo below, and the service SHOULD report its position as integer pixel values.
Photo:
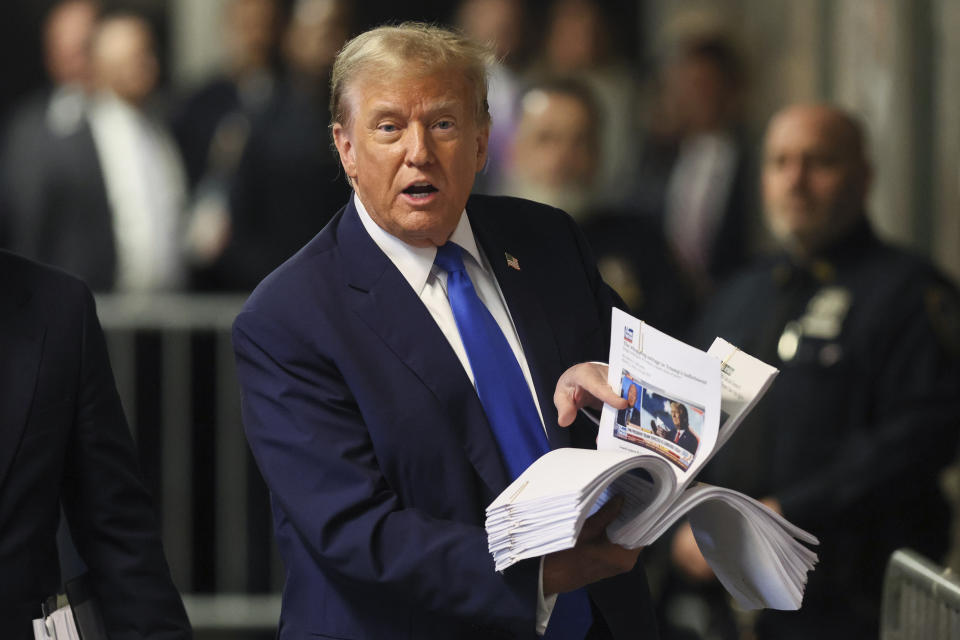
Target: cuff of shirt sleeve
(544, 605)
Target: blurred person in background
(213, 123)
(316, 32)
(578, 43)
(499, 24)
(695, 171)
(251, 31)
(47, 122)
(110, 198)
(555, 153)
(142, 171)
(850, 441)
(288, 183)
(554, 158)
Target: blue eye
(387, 128)
(444, 124)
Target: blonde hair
(409, 47)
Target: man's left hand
(584, 385)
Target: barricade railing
(921, 600)
(173, 361)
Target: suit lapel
(388, 306)
(533, 327)
(21, 347)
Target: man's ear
(348, 156)
(483, 137)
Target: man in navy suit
(358, 394)
(681, 433)
(64, 442)
(632, 413)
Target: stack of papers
(684, 404)
(544, 509)
(754, 552)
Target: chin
(793, 225)
(425, 228)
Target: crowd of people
(138, 191)
(303, 141)
(137, 187)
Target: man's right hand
(593, 558)
(686, 555)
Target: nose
(796, 172)
(419, 146)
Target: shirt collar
(416, 263)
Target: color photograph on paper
(655, 421)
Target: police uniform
(853, 434)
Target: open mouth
(420, 190)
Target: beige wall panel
(946, 236)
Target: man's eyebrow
(443, 106)
(387, 109)
(381, 110)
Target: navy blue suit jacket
(64, 441)
(373, 442)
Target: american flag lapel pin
(512, 262)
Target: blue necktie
(509, 406)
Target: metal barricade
(173, 361)
(921, 601)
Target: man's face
(412, 148)
(67, 42)
(814, 177)
(124, 60)
(315, 34)
(499, 22)
(675, 415)
(632, 395)
(251, 32)
(556, 143)
(698, 95)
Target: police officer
(851, 438)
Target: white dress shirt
(429, 282)
(146, 189)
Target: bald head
(815, 176)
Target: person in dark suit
(286, 183)
(213, 127)
(103, 199)
(681, 433)
(48, 157)
(204, 123)
(64, 441)
(850, 441)
(632, 413)
(67, 220)
(358, 375)
(554, 159)
(696, 166)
